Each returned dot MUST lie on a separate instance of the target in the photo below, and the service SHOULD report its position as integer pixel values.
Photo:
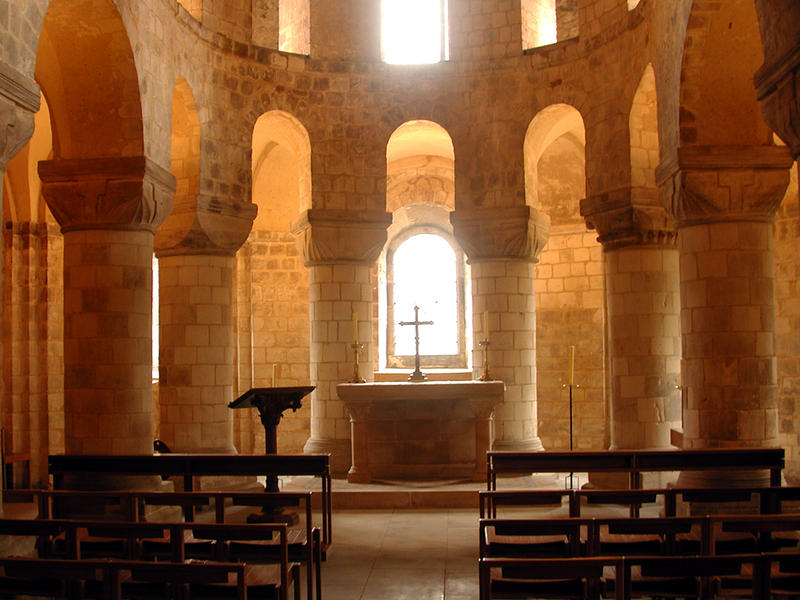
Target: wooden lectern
(271, 403)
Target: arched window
(546, 22)
(414, 31)
(425, 268)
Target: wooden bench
(11, 458)
(92, 537)
(304, 543)
(190, 466)
(578, 578)
(634, 462)
(116, 579)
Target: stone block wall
(272, 329)
(33, 374)
(787, 300)
(21, 34)
(570, 311)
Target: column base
(530, 445)
(340, 451)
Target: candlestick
(486, 375)
(274, 374)
(486, 325)
(571, 378)
(357, 378)
(355, 327)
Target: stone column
(502, 245)
(724, 201)
(19, 100)
(340, 248)
(643, 310)
(195, 248)
(108, 209)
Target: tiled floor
(414, 554)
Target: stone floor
(398, 554)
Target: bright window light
(414, 31)
(425, 276)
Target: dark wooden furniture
(635, 462)
(10, 459)
(93, 537)
(190, 466)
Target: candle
(355, 327)
(486, 324)
(571, 365)
(274, 373)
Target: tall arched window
(425, 268)
(414, 31)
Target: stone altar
(422, 430)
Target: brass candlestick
(486, 376)
(357, 378)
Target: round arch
(643, 127)
(718, 104)
(281, 167)
(85, 67)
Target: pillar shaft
(19, 100)
(643, 303)
(502, 246)
(108, 210)
(724, 200)
(339, 248)
(503, 289)
(196, 352)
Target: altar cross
(417, 374)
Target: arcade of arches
(624, 183)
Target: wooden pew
(577, 578)
(528, 538)
(304, 543)
(56, 578)
(625, 536)
(190, 466)
(634, 462)
(490, 501)
(687, 576)
(82, 535)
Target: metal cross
(417, 374)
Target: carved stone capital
(517, 232)
(212, 226)
(707, 184)
(341, 236)
(130, 192)
(19, 100)
(629, 217)
(778, 89)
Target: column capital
(710, 184)
(129, 192)
(19, 100)
(212, 226)
(501, 233)
(630, 216)
(777, 87)
(341, 236)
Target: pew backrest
(634, 462)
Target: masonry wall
(787, 300)
(272, 333)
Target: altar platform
(430, 494)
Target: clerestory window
(426, 269)
(414, 31)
